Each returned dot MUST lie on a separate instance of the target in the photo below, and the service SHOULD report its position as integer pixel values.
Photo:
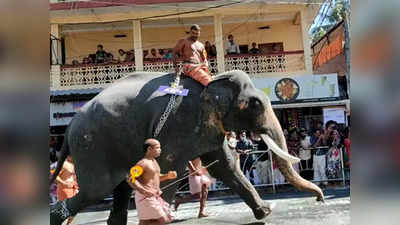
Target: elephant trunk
(284, 164)
(228, 171)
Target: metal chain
(170, 106)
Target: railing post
(137, 42)
(55, 73)
(306, 42)
(219, 43)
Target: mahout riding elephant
(106, 138)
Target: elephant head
(231, 102)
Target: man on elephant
(151, 208)
(194, 57)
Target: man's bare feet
(202, 215)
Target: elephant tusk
(278, 151)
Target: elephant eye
(255, 102)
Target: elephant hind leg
(119, 212)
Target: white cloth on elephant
(263, 169)
(319, 166)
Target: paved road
(291, 209)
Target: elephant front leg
(228, 171)
(121, 197)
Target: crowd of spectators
(101, 56)
(319, 150)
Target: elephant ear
(219, 95)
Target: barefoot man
(198, 185)
(194, 57)
(151, 208)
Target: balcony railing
(266, 63)
(101, 75)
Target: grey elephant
(106, 137)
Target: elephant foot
(117, 218)
(263, 211)
(58, 213)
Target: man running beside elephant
(194, 57)
(151, 208)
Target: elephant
(106, 136)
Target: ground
(292, 208)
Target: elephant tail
(64, 153)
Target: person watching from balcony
(254, 49)
(109, 58)
(86, 61)
(161, 53)
(125, 56)
(153, 54)
(168, 55)
(75, 62)
(194, 56)
(122, 55)
(100, 54)
(231, 47)
(210, 49)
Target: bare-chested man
(67, 186)
(194, 57)
(151, 208)
(198, 185)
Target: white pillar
(306, 42)
(55, 44)
(219, 43)
(55, 77)
(137, 42)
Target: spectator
(168, 55)
(109, 58)
(260, 164)
(125, 56)
(254, 50)
(66, 183)
(75, 62)
(100, 54)
(319, 158)
(244, 147)
(210, 49)
(161, 53)
(346, 153)
(333, 164)
(92, 58)
(232, 47)
(293, 144)
(305, 155)
(153, 54)
(145, 53)
(122, 55)
(86, 61)
(315, 135)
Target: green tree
(337, 13)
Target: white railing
(95, 75)
(266, 63)
(167, 66)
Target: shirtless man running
(194, 57)
(199, 183)
(151, 208)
